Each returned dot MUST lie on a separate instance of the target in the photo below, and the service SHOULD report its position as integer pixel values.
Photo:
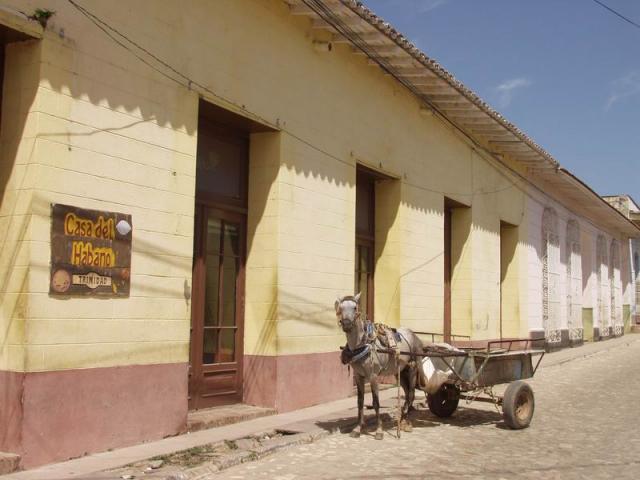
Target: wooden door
(365, 242)
(447, 274)
(217, 309)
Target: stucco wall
(113, 133)
(103, 133)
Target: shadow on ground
(420, 417)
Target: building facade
(630, 209)
(186, 188)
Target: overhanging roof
(351, 22)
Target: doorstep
(9, 462)
(224, 415)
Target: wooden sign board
(90, 252)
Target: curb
(239, 455)
(202, 472)
(610, 346)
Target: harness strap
(361, 353)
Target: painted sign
(90, 252)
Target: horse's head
(348, 312)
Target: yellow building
(187, 186)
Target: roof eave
(440, 90)
(608, 213)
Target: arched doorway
(574, 283)
(617, 324)
(551, 278)
(602, 288)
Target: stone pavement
(584, 423)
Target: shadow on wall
(89, 66)
(17, 98)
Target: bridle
(365, 346)
(341, 320)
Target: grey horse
(370, 359)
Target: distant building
(630, 209)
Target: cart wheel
(445, 401)
(518, 405)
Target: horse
(370, 359)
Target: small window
(222, 163)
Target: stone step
(224, 415)
(9, 462)
(635, 328)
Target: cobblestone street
(585, 426)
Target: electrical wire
(319, 7)
(178, 77)
(618, 14)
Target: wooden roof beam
(436, 89)
(319, 23)
(436, 98)
(476, 122)
(427, 82)
(519, 147)
(369, 37)
(462, 110)
(388, 50)
(499, 136)
(456, 102)
(415, 72)
(526, 155)
(485, 129)
(398, 62)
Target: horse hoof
(354, 434)
(407, 428)
(379, 435)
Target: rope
(399, 407)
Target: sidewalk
(315, 421)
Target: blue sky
(567, 72)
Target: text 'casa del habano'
(84, 252)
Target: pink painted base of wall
(10, 410)
(289, 382)
(70, 413)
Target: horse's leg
(413, 382)
(360, 385)
(375, 394)
(405, 381)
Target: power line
(178, 77)
(618, 14)
(124, 41)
